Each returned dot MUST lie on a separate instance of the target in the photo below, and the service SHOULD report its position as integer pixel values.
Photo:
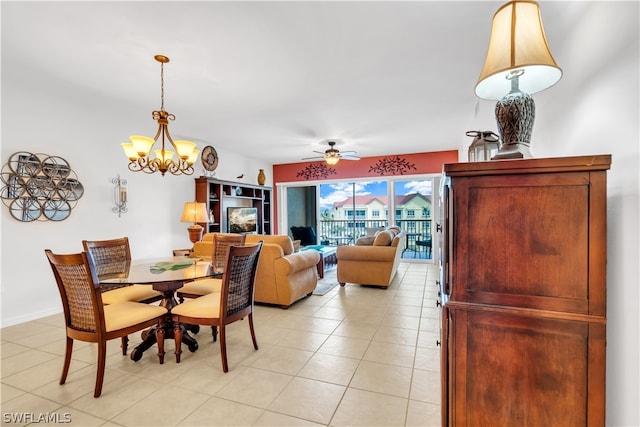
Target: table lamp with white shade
(196, 213)
(518, 64)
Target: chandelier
(138, 150)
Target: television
(242, 220)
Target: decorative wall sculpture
(316, 171)
(39, 187)
(392, 165)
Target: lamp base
(195, 233)
(515, 114)
(513, 151)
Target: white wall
(594, 110)
(41, 116)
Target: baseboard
(31, 316)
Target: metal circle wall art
(39, 187)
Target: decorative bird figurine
(240, 176)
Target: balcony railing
(346, 232)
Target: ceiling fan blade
(313, 158)
(319, 152)
(348, 153)
(350, 157)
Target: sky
(340, 191)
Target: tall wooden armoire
(523, 288)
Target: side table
(326, 252)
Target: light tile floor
(357, 356)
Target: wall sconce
(119, 195)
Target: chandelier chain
(162, 86)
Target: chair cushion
(205, 307)
(132, 293)
(202, 287)
(383, 238)
(124, 314)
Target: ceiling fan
(333, 155)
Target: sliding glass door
(348, 209)
(413, 209)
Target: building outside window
(347, 209)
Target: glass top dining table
(165, 275)
(152, 271)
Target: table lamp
(196, 213)
(518, 64)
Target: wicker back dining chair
(201, 287)
(234, 302)
(88, 319)
(111, 257)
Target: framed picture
(242, 220)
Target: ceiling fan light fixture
(332, 158)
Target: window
(347, 209)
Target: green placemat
(173, 265)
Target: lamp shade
(194, 212)
(332, 160)
(517, 43)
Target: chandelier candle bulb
(193, 156)
(184, 148)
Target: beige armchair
(283, 276)
(374, 264)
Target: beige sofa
(372, 261)
(283, 276)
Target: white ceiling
(273, 80)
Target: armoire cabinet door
(508, 369)
(528, 241)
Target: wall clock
(209, 158)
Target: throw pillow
(365, 241)
(395, 229)
(383, 238)
(372, 231)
